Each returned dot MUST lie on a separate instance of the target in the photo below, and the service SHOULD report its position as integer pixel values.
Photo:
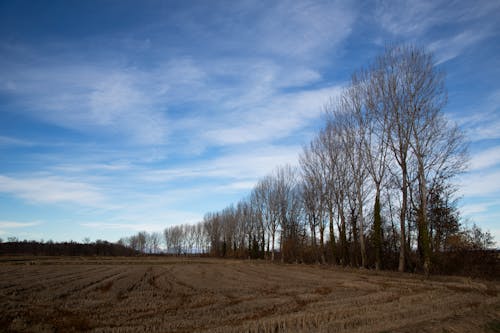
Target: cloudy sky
(120, 116)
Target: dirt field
(209, 295)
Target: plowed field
(209, 295)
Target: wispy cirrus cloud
(301, 28)
(10, 141)
(481, 180)
(422, 17)
(418, 16)
(483, 123)
(449, 48)
(272, 117)
(481, 184)
(123, 226)
(12, 224)
(485, 159)
(52, 190)
(240, 165)
(134, 220)
(88, 98)
(7, 227)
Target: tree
(337, 177)
(350, 127)
(313, 191)
(443, 217)
(407, 91)
(155, 240)
(375, 123)
(392, 94)
(288, 207)
(266, 196)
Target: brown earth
(213, 295)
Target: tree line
(14, 246)
(374, 187)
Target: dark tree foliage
(99, 248)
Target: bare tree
(265, 193)
(155, 239)
(375, 123)
(338, 180)
(437, 146)
(285, 200)
(313, 192)
(324, 149)
(350, 126)
(392, 97)
(259, 215)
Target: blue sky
(120, 116)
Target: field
(211, 295)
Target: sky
(122, 116)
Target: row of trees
(13, 245)
(178, 239)
(374, 187)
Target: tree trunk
(402, 219)
(423, 228)
(332, 237)
(354, 232)
(343, 237)
(377, 229)
(361, 231)
(322, 242)
(272, 246)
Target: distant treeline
(98, 248)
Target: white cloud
(12, 224)
(10, 141)
(126, 226)
(292, 28)
(52, 190)
(236, 186)
(287, 29)
(483, 122)
(484, 206)
(483, 127)
(480, 184)
(85, 167)
(407, 17)
(245, 166)
(132, 220)
(140, 103)
(274, 117)
(485, 159)
(15, 225)
(414, 18)
(90, 98)
(449, 48)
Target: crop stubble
(211, 295)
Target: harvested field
(210, 295)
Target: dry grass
(210, 295)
